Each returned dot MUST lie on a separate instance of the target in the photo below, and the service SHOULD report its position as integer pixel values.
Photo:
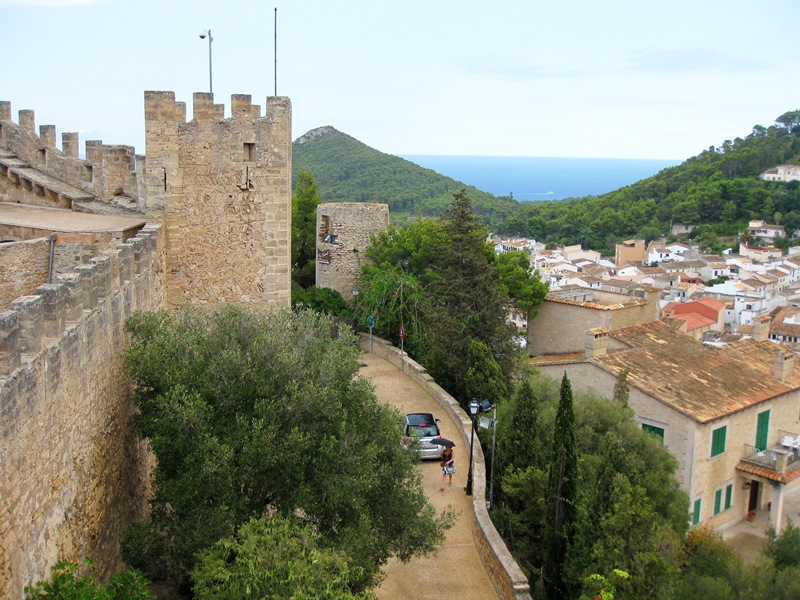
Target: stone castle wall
(45, 175)
(217, 195)
(225, 188)
(343, 235)
(72, 475)
(24, 266)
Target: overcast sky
(575, 78)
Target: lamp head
(473, 407)
(203, 35)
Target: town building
(728, 414)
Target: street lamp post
(203, 35)
(473, 410)
(491, 467)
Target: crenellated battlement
(34, 171)
(39, 319)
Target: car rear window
(424, 430)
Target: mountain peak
(315, 133)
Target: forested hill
(718, 191)
(347, 170)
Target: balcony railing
(780, 458)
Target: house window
(762, 429)
(659, 431)
(723, 498)
(718, 441)
(696, 512)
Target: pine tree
(469, 303)
(562, 494)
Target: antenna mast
(276, 50)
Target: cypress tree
(562, 494)
(622, 388)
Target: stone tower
(225, 189)
(343, 234)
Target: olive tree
(249, 414)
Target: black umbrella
(440, 441)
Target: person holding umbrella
(448, 458)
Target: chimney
(761, 328)
(783, 366)
(596, 342)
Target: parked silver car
(423, 428)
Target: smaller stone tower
(343, 234)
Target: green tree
(484, 378)
(469, 304)
(394, 297)
(784, 549)
(520, 429)
(248, 413)
(275, 558)
(324, 300)
(304, 230)
(68, 581)
(622, 389)
(562, 491)
(524, 288)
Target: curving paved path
(455, 571)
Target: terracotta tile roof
(705, 383)
(779, 325)
(754, 469)
(632, 301)
(652, 270)
(694, 320)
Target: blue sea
(542, 178)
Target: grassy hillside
(347, 170)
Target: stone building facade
(564, 316)
(205, 219)
(343, 234)
(689, 394)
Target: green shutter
(659, 431)
(762, 430)
(728, 496)
(696, 513)
(717, 501)
(718, 441)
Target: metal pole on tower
(276, 50)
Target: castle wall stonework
(72, 476)
(59, 177)
(225, 187)
(24, 266)
(343, 235)
(216, 196)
